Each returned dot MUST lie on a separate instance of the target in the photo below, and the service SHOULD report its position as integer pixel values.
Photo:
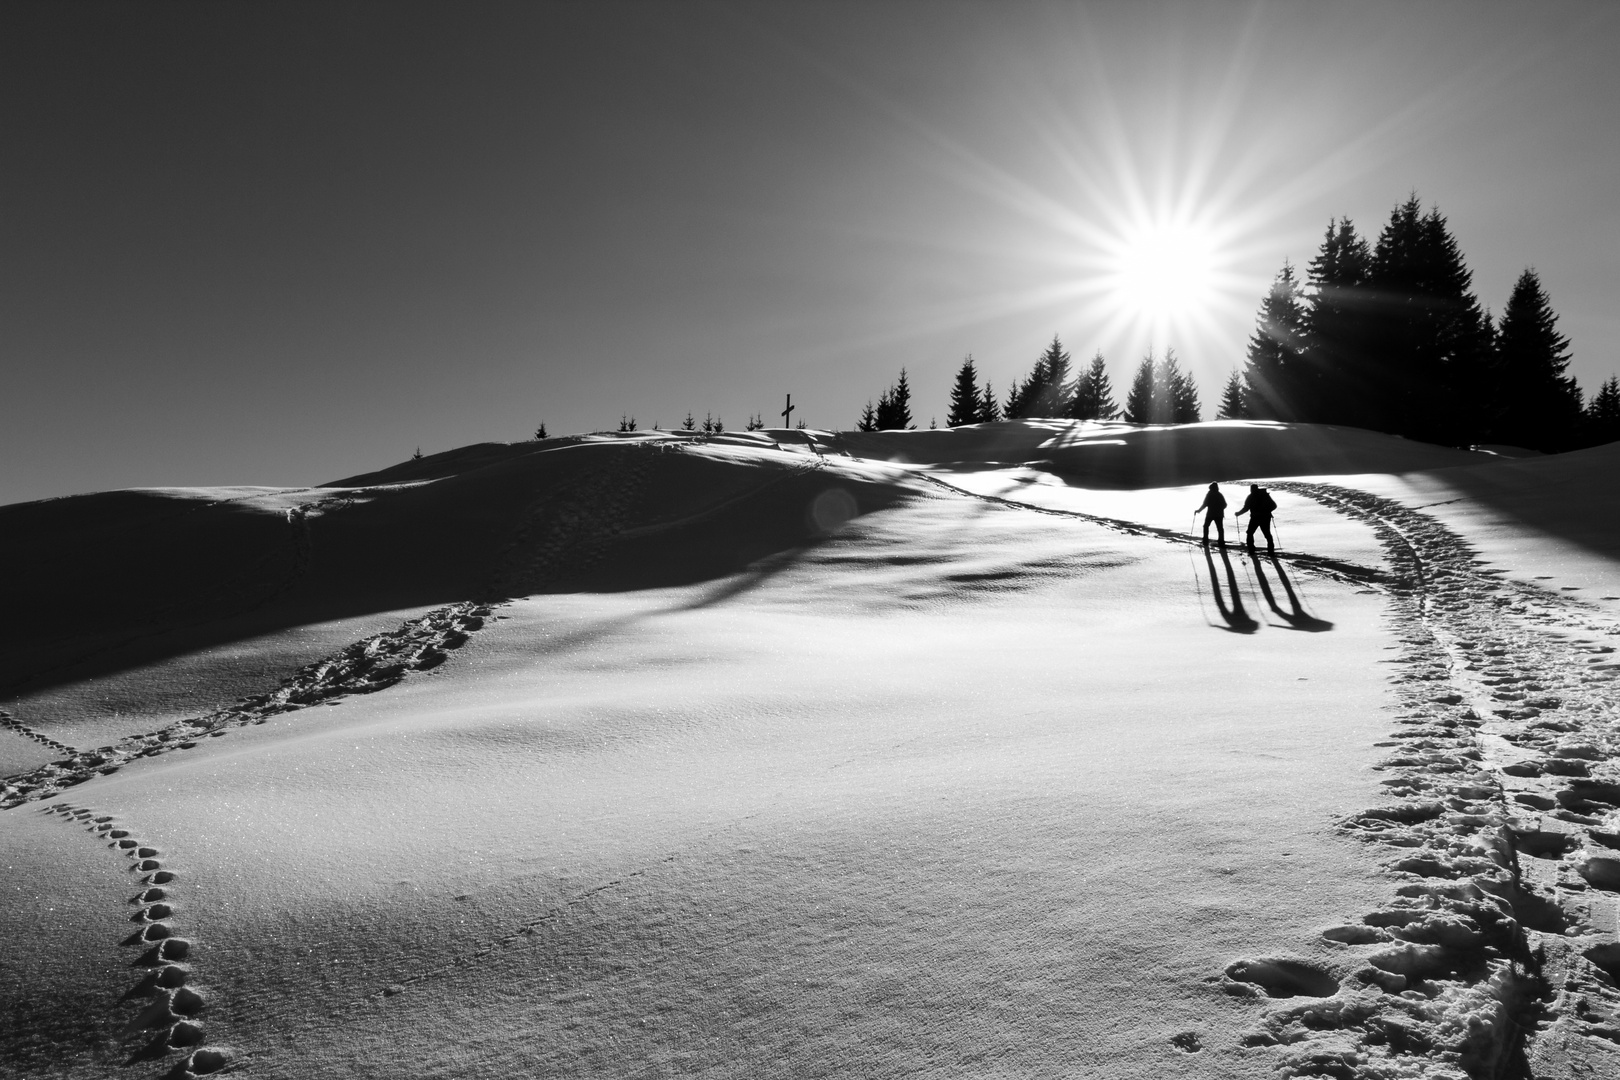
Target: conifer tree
(965, 402)
(1175, 395)
(894, 407)
(1017, 406)
(1533, 403)
(1602, 418)
(540, 432)
(1045, 390)
(989, 410)
(1093, 394)
(1052, 396)
(1428, 344)
(1333, 383)
(1277, 383)
(1233, 405)
(627, 423)
(756, 422)
(868, 420)
(1139, 400)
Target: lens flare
(1165, 271)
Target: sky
(283, 243)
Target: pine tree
(1602, 417)
(627, 423)
(894, 407)
(1428, 343)
(1044, 391)
(1093, 394)
(868, 420)
(989, 410)
(1533, 403)
(1233, 405)
(708, 424)
(540, 432)
(756, 422)
(689, 424)
(1017, 404)
(1333, 385)
(1139, 401)
(1052, 397)
(1277, 383)
(964, 396)
(1175, 395)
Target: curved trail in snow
(1496, 956)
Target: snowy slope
(756, 757)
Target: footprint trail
(365, 667)
(166, 1002)
(1497, 954)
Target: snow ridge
(1498, 950)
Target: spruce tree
(868, 420)
(1175, 394)
(1017, 406)
(989, 410)
(1139, 400)
(1051, 398)
(1602, 418)
(1277, 383)
(540, 432)
(1233, 405)
(1428, 352)
(1533, 403)
(1093, 394)
(965, 403)
(1333, 386)
(689, 424)
(894, 407)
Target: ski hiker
(1215, 503)
(1259, 507)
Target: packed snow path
(1498, 956)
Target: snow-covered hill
(799, 753)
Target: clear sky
(281, 243)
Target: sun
(1164, 272)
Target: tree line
(1160, 393)
(1386, 336)
(1390, 336)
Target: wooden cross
(787, 410)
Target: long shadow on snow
(1237, 619)
(118, 581)
(1296, 618)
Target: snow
(999, 776)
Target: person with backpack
(1259, 506)
(1215, 503)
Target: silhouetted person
(1259, 507)
(1215, 503)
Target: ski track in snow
(169, 1006)
(1496, 957)
(1496, 952)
